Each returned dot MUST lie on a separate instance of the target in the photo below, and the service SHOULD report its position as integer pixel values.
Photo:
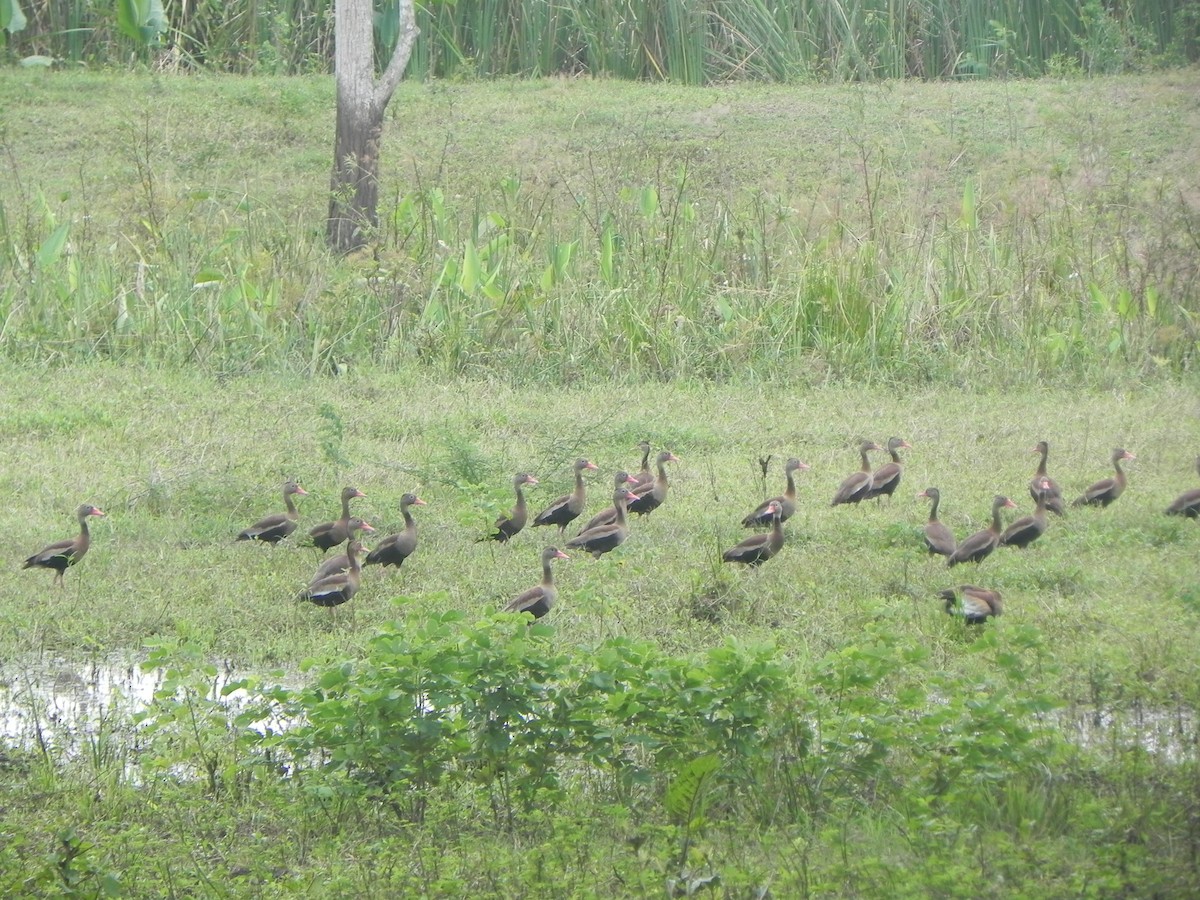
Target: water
(64, 706)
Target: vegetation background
(726, 265)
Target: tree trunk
(361, 102)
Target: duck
(975, 604)
(62, 554)
(566, 509)
(540, 599)
(1024, 531)
(646, 499)
(340, 587)
(600, 540)
(1106, 490)
(1054, 497)
(939, 539)
(507, 527)
(341, 562)
(1187, 503)
(394, 549)
(855, 487)
(979, 546)
(886, 478)
(757, 549)
(330, 534)
(787, 501)
(608, 515)
(644, 475)
(273, 529)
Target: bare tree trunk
(361, 102)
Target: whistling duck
(274, 529)
(981, 543)
(508, 526)
(787, 503)
(338, 588)
(757, 549)
(938, 537)
(886, 478)
(598, 541)
(61, 554)
(973, 603)
(855, 487)
(1187, 503)
(644, 475)
(394, 549)
(330, 534)
(1054, 497)
(1024, 531)
(539, 600)
(341, 562)
(1106, 490)
(647, 499)
(608, 515)
(563, 511)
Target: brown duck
(540, 599)
(975, 604)
(979, 545)
(938, 537)
(1024, 531)
(274, 529)
(787, 502)
(644, 475)
(508, 526)
(1054, 497)
(647, 499)
(854, 488)
(1187, 503)
(757, 549)
(1106, 490)
(608, 515)
(600, 540)
(62, 554)
(566, 509)
(394, 549)
(340, 587)
(886, 478)
(341, 562)
(330, 534)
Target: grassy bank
(566, 268)
(574, 230)
(886, 738)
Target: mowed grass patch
(182, 462)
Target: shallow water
(62, 706)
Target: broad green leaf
(12, 20)
(648, 201)
(52, 247)
(685, 796)
(207, 276)
(468, 279)
(141, 20)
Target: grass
(592, 230)
(729, 273)
(182, 460)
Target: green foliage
(596, 273)
(711, 41)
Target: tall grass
(688, 41)
(651, 280)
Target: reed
(678, 40)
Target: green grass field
(817, 727)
